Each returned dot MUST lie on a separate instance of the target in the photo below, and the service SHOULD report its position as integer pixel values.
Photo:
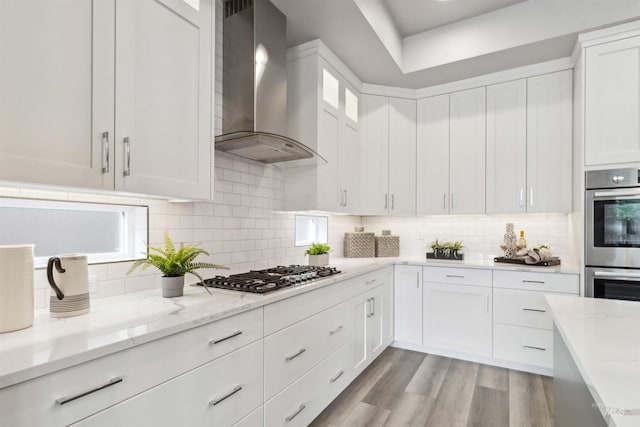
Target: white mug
(68, 276)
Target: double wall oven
(612, 215)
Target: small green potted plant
(318, 254)
(446, 250)
(174, 264)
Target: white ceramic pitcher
(68, 277)
(16, 287)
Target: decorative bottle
(522, 242)
(510, 242)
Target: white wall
(481, 235)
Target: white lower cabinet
(372, 324)
(407, 300)
(302, 401)
(219, 393)
(458, 318)
(529, 346)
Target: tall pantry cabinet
(107, 94)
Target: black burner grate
(270, 279)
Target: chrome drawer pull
(537, 310)
(226, 396)
(368, 282)
(295, 414)
(334, 379)
(455, 275)
(235, 334)
(540, 282)
(127, 153)
(105, 144)
(289, 358)
(336, 330)
(63, 400)
(534, 347)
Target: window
(351, 105)
(330, 89)
(310, 229)
(103, 232)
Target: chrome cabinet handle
(540, 282)
(346, 198)
(534, 347)
(452, 207)
(226, 396)
(455, 275)
(105, 147)
(393, 201)
(444, 202)
(386, 201)
(537, 310)
(127, 157)
(219, 340)
(293, 356)
(336, 330)
(373, 306)
(368, 282)
(334, 379)
(295, 414)
(521, 197)
(67, 399)
(531, 196)
(368, 307)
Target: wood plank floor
(407, 388)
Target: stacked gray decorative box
(387, 245)
(359, 244)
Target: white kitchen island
(596, 361)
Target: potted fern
(318, 254)
(174, 264)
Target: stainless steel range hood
(254, 86)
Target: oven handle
(617, 195)
(617, 276)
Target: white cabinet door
(408, 304)
(433, 156)
(348, 167)
(56, 92)
(163, 97)
(507, 147)
(402, 156)
(374, 137)
(467, 152)
(612, 122)
(375, 324)
(458, 317)
(329, 196)
(361, 309)
(549, 145)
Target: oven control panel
(613, 178)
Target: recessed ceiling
(417, 16)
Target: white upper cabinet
(612, 123)
(56, 92)
(163, 103)
(467, 152)
(433, 156)
(107, 94)
(388, 143)
(322, 108)
(549, 144)
(507, 147)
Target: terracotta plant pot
(172, 286)
(319, 260)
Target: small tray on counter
(451, 257)
(543, 263)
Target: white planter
(319, 260)
(172, 286)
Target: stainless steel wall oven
(612, 218)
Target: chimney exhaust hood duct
(254, 85)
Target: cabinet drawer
(458, 276)
(295, 350)
(523, 345)
(219, 393)
(303, 400)
(34, 402)
(522, 308)
(534, 281)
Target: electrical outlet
(93, 284)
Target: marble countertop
(603, 337)
(121, 322)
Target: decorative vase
(510, 242)
(319, 260)
(172, 286)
